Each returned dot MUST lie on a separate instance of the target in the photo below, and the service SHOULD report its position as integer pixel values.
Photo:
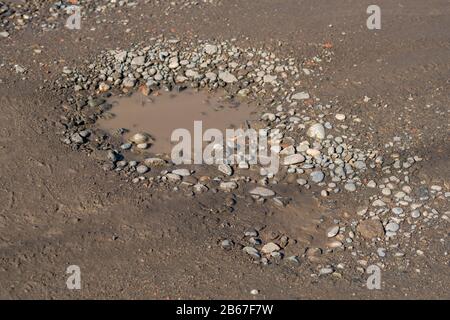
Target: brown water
(159, 115)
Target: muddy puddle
(158, 115)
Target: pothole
(322, 151)
(158, 115)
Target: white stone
(182, 172)
(293, 159)
(301, 96)
(227, 77)
(262, 192)
(316, 131)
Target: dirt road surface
(59, 208)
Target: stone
(77, 138)
(200, 188)
(126, 146)
(252, 251)
(269, 79)
(191, 74)
(371, 184)
(153, 162)
(325, 271)
(227, 77)
(392, 227)
(226, 244)
(113, 156)
(269, 248)
(121, 56)
(228, 186)
(139, 138)
(370, 229)
(211, 49)
(397, 210)
(128, 83)
(141, 169)
(317, 176)
(262, 192)
(350, 186)
(300, 96)
(415, 213)
(103, 87)
(138, 61)
(173, 177)
(142, 146)
(293, 259)
(181, 172)
(381, 252)
(332, 231)
(316, 131)
(378, 203)
(293, 159)
(340, 116)
(225, 169)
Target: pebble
(381, 252)
(392, 227)
(77, 138)
(316, 131)
(139, 138)
(371, 184)
(293, 159)
(252, 251)
(141, 169)
(226, 244)
(262, 192)
(378, 203)
(415, 213)
(397, 210)
(270, 247)
(225, 169)
(317, 176)
(128, 83)
(228, 186)
(293, 259)
(173, 177)
(138, 61)
(340, 116)
(211, 49)
(154, 162)
(227, 77)
(350, 186)
(142, 146)
(332, 231)
(181, 172)
(126, 146)
(325, 271)
(300, 96)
